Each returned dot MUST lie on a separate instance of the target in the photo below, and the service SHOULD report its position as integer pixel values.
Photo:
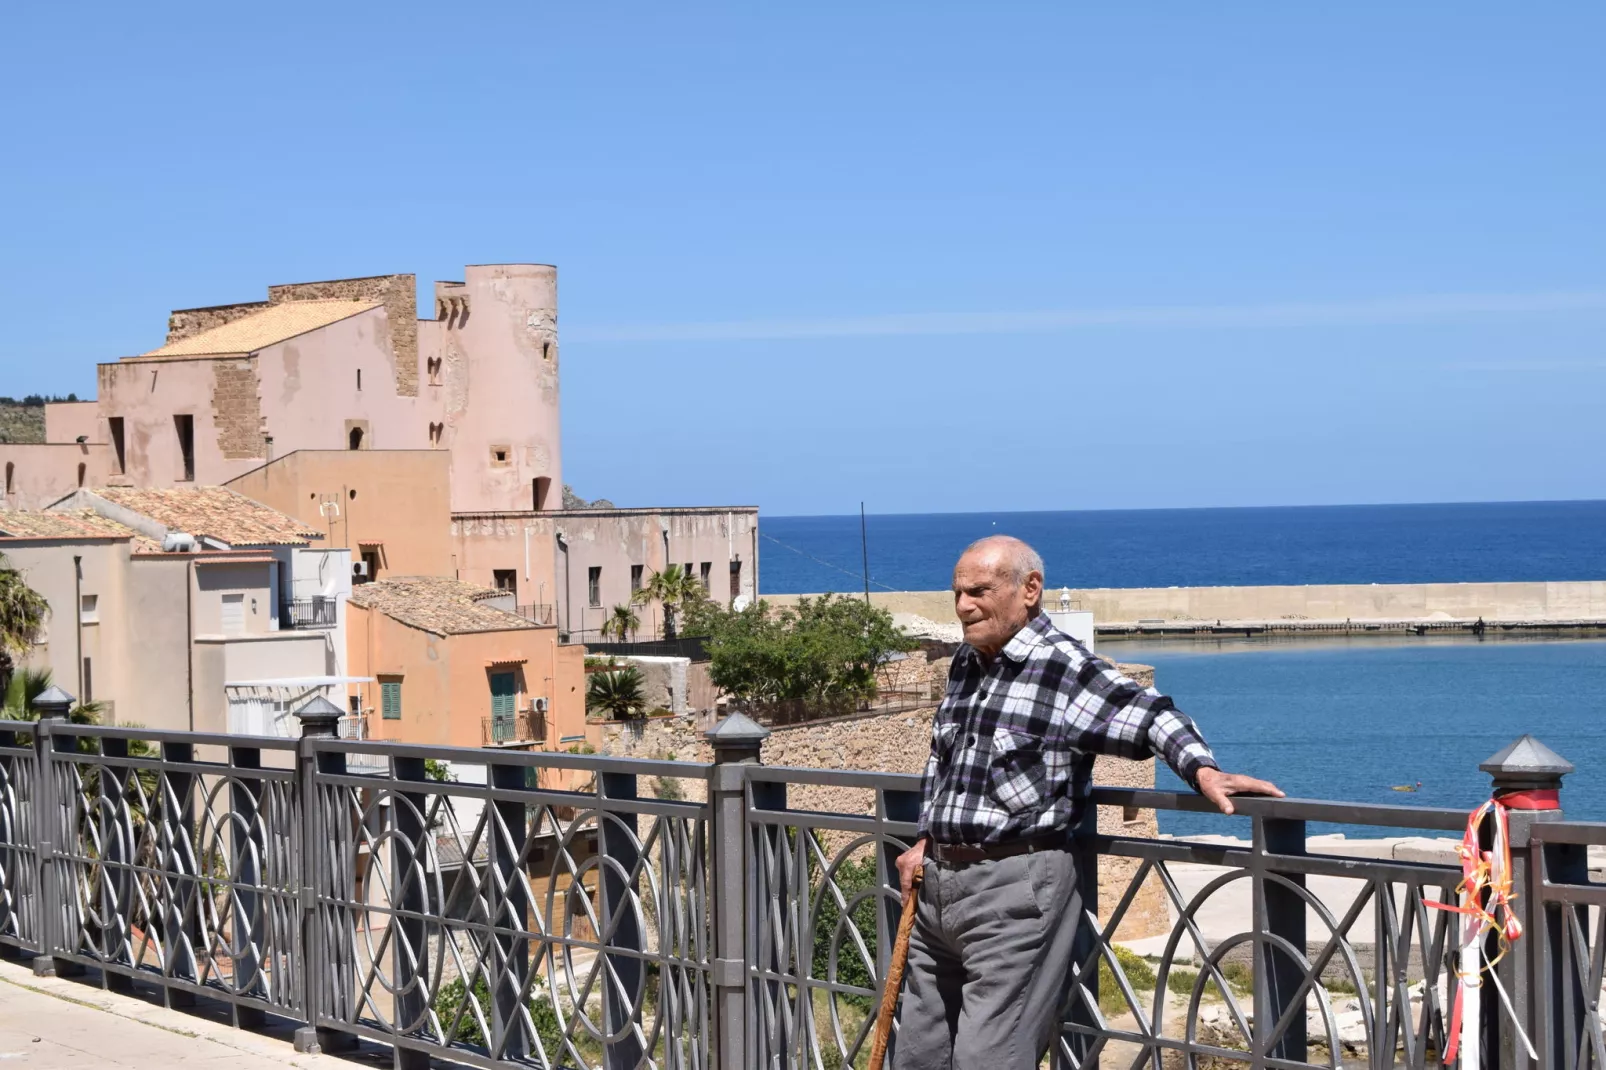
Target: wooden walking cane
(894, 979)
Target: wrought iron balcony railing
(317, 612)
(528, 726)
(691, 916)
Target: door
(234, 614)
(504, 701)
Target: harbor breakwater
(1406, 608)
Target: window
(359, 378)
(433, 366)
(89, 609)
(390, 698)
(707, 576)
(539, 488)
(11, 473)
(506, 579)
(81, 471)
(371, 559)
(504, 697)
(354, 439)
(233, 614)
(184, 427)
(635, 578)
(594, 584)
(501, 456)
(435, 430)
(89, 681)
(736, 579)
(118, 456)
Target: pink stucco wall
(33, 475)
(491, 362)
(611, 540)
(66, 420)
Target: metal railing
(528, 726)
(549, 909)
(684, 647)
(536, 613)
(315, 612)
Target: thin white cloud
(1302, 314)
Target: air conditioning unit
(538, 704)
(359, 570)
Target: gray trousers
(988, 963)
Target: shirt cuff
(1191, 769)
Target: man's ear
(1033, 588)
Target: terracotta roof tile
(213, 511)
(260, 329)
(73, 524)
(436, 604)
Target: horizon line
(1290, 314)
(1199, 508)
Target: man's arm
(1115, 715)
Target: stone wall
(187, 322)
(237, 408)
(900, 743)
(398, 293)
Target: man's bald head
(1009, 553)
(998, 587)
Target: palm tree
(22, 615)
(623, 622)
(675, 588)
(617, 693)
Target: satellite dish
(740, 602)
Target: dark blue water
(1204, 547)
(1346, 719)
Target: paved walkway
(48, 1023)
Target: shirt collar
(1023, 642)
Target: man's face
(989, 603)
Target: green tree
(623, 622)
(22, 615)
(616, 693)
(676, 589)
(823, 649)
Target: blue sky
(935, 256)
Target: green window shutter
(390, 700)
(502, 696)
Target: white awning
(302, 681)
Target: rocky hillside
(21, 423)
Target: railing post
(10, 835)
(52, 824)
(1280, 917)
(736, 742)
(323, 837)
(1526, 777)
(619, 843)
(900, 806)
(507, 835)
(180, 926)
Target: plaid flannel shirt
(1012, 744)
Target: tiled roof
(215, 511)
(74, 524)
(436, 604)
(273, 324)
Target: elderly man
(1010, 770)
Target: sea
(1331, 718)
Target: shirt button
(971, 741)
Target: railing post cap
(320, 717)
(1526, 761)
(53, 702)
(737, 731)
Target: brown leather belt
(961, 853)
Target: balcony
(527, 726)
(301, 613)
(537, 613)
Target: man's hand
(909, 861)
(1218, 787)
